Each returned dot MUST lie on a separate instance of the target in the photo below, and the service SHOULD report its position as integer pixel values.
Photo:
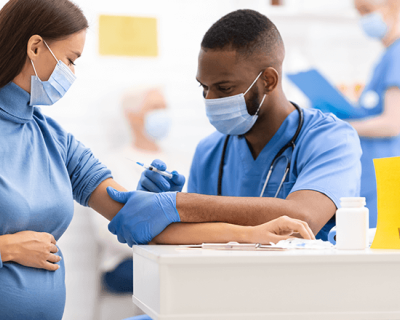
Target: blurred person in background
(145, 110)
(379, 131)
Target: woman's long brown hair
(21, 19)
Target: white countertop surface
(170, 254)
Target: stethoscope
(291, 144)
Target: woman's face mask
(50, 91)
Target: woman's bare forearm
(310, 206)
(101, 202)
(195, 233)
(5, 252)
(272, 231)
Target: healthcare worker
(43, 168)
(379, 131)
(268, 157)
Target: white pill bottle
(352, 224)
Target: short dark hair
(245, 31)
(21, 19)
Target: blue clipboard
(324, 96)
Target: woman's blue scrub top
(326, 159)
(385, 75)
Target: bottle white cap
(352, 202)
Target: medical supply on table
(332, 235)
(151, 168)
(291, 143)
(229, 115)
(50, 91)
(129, 222)
(352, 224)
(387, 172)
(151, 181)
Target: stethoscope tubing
(291, 143)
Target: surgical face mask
(48, 92)
(229, 115)
(374, 25)
(157, 124)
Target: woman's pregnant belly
(30, 293)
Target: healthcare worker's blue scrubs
(326, 159)
(386, 75)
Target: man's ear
(271, 79)
(34, 46)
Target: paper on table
(387, 172)
(297, 243)
(324, 96)
(233, 246)
(128, 36)
(291, 243)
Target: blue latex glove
(144, 215)
(155, 182)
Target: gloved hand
(143, 216)
(154, 182)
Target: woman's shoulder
(50, 126)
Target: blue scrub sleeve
(392, 77)
(193, 176)
(85, 171)
(329, 161)
(1, 262)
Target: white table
(298, 284)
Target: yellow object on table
(387, 172)
(128, 36)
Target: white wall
(321, 33)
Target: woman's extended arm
(101, 202)
(189, 233)
(386, 124)
(273, 231)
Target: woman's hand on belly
(30, 249)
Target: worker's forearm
(310, 206)
(235, 210)
(195, 233)
(101, 201)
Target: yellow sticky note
(387, 172)
(128, 36)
